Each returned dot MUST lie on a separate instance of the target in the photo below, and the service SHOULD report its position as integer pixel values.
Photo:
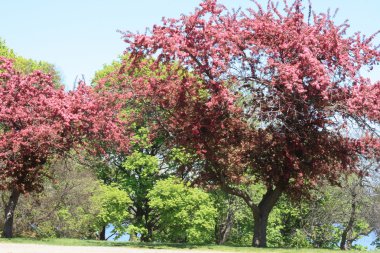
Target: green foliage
(141, 168)
(106, 72)
(141, 138)
(284, 226)
(299, 240)
(27, 66)
(75, 221)
(241, 227)
(5, 51)
(136, 175)
(178, 160)
(242, 231)
(112, 204)
(359, 248)
(331, 210)
(134, 230)
(179, 156)
(75, 204)
(285, 223)
(64, 208)
(186, 214)
(143, 164)
(137, 172)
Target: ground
(36, 248)
(18, 245)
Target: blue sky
(80, 36)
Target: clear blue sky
(79, 36)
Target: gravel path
(36, 248)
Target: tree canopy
(185, 214)
(39, 121)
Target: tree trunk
(344, 245)
(260, 212)
(9, 213)
(146, 219)
(150, 233)
(261, 215)
(225, 228)
(260, 229)
(102, 234)
(148, 237)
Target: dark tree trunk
(148, 237)
(260, 229)
(260, 212)
(344, 243)
(150, 232)
(102, 234)
(145, 218)
(9, 213)
(261, 215)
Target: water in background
(366, 241)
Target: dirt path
(35, 248)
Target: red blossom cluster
(264, 92)
(39, 121)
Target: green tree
(136, 175)
(112, 204)
(233, 221)
(65, 207)
(74, 204)
(186, 214)
(149, 159)
(27, 66)
(286, 222)
(340, 215)
(140, 173)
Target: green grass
(176, 246)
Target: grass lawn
(77, 242)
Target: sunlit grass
(174, 246)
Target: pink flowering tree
(262, 95)
(39, 121)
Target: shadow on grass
(151, 245)
(85, 242)
(174, 246)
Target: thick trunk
(261, 214)
(102, 234)
(148, 237)
(145, 237)
(260, 211)
(9, 213)
(260, 229)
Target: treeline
(155, 206)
